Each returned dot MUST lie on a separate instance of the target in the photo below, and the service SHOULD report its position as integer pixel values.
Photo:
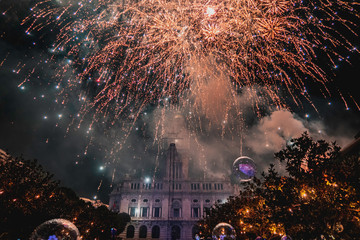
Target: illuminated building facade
(169, 206)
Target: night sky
(35, 124)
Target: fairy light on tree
(303, 204)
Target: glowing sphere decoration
(56, 229)
(223, 231)
(285, 237)
(244, 168)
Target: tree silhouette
(317, 198)
(30, 196)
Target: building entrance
(175, 232)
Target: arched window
(155, 232)
(143, 231)
(175, 233)
(176, 209)
(130, 231)
(195, 230)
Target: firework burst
(129, 54)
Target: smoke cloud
(273, 131)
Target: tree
(319, 197)
(30, 196)
(26, 192)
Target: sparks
(142, 52)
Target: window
(207, 200)
(115, 206)
(156, 212)
(176, 208)
(155, 232)
(130, 231)
(145, 200)
(206, 211)
(146, 185)
(219, 186)
(133, 200)
(143, 231)
(195, 212)
(176, 212)
(195, 200)
(144, 212)
(132, 211)
(206, 186)
(195, 186)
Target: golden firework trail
(201, 53)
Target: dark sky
(35, 124)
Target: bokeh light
(244, 168)
(60, 229)
(223, 231)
